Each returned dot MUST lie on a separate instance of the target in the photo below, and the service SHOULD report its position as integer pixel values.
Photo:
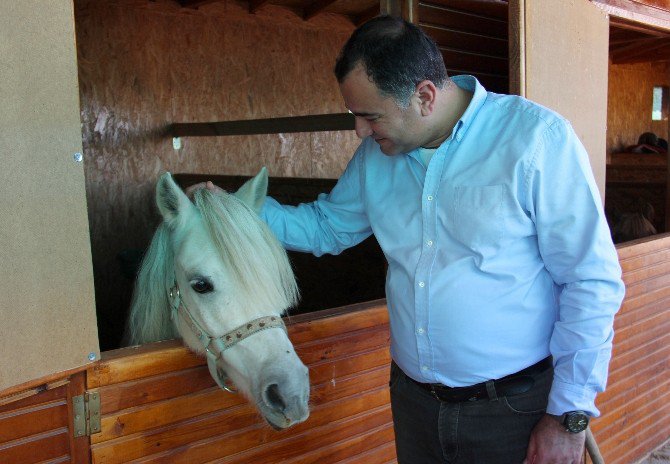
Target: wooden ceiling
(630, 42)
(633, 43)
(358, 11)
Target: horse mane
(149, 319)
(257, 261)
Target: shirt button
(424, 368)
(422, 284)
(419, 330)
(429, 243)
(430, 198)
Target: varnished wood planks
(37, 428)
(169, 410)
(472, 36)
(635, 413)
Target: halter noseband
(215, 346)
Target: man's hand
(550, 443)
(208, 185)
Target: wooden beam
(642, 51)
(405, 9)
(254, 5)
(313, 123)
(316, 8)
(632, 10)
(195, 3)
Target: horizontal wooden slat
(32, 420)
(373, 445)
(322, 437)
(163, 413)
(474, 63)
(648, 272)
(634, 336)
(651, 352)
(35, 448)
(37, 427)
(630, 401)
(154, 414)
(646, 247)
(619, 388)
(312, 123)
(453, 18)
(629, 317)
(468, 42)
(384, 454)
(634, 406)
(134, 363)
(153, 389)
(646, 292)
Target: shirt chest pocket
(478, 217)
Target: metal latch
(86, 414)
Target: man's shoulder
(527, 110)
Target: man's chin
(387, 148)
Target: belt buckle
(432, 390)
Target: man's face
(393, 128)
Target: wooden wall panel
(145, 64)
(160, 405)
(629, 98)
(47, 277)
(472, 36)
(38, 427)
(635, 407)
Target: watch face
(576, 422)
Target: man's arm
(329, 225)
(576, 247)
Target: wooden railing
(636, 405)
(159, 404)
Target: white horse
(216, 276)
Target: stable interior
(145, 65)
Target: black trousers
(487, 431)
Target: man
(502, 278)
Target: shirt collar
(471, 84)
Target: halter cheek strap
(215, 346)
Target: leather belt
(510, 385)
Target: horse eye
(202, 286)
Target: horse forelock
(256, 259)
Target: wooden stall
(637, 173)
(91, 126)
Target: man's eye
(202, 286)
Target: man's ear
(253, 192)
(426, 93)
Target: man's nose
(362, 127)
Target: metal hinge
(86, 414)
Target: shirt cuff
(565, 397)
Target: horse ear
(171, 200)
(253, 192)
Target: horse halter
(215, 346)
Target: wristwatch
(575, 421)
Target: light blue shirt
(498, 252)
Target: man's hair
(396, 55)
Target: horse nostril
(274, 399)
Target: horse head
(225, 281)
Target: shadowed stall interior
(145, 64)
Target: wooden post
(405, 9)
